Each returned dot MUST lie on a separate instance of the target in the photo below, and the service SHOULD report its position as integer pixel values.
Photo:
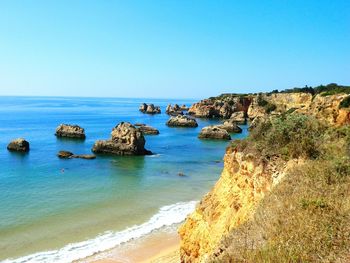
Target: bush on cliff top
(306, 218)
(288, 136)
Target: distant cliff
(332, 107)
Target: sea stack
(18, 145)
(70, 131)
(182, 121)
(149, 108)
(126, 140)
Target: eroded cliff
(244, 181)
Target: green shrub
(345, 103)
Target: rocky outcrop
(220, 107)
(230, 126)
(327, 109)
(245, 180)
(182, 121)
(147, 130)
(126, 140)
(149, 108)
(69, 155)
(214, 132)
(239, 117)
(18, 145)
(175, 110)
(70, 131)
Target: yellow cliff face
(243, 183)
(326, 108)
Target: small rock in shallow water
(18, 145)
(181, 174)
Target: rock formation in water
(70, 155)
(126, 140)
(18, 145)
(182, 121)
(149, 108)
(175, 110)
(230, 126)
(70, 131)
(147, 130)
(214, 132)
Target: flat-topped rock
(230, 126)
(18, 145)
(69, 155)
(182, 121)
(148, 130)
(126, 140)
(70, 131)
(149, 108)
(214, 132)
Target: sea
(61, 210)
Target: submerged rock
(149, 108)
(182, 121)
(18, 145)
(70, 131)
(126, 140)
(214, 132)
(69, 155)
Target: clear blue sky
(171, 48)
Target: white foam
(167, 215)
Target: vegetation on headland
(324, 90)
(306, 218)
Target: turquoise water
(44, 209)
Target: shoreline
(157, 247)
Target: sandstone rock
(149, 108)
(18, 145)
(184, 107)
(230, 126)
(214, 132)
(64, 154)
(174, 110)
(181, 121)
(148, 130)
(126, 140)
(71, 131)
(238, 117)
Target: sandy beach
(156, 248)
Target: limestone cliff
(243, 183)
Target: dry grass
(306, 218)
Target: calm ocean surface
(94, 204)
